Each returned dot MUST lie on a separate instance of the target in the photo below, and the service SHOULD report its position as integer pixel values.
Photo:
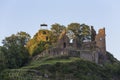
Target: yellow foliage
(41, 35)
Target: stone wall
(83, 54)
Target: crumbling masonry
(93, 50)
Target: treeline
(18, 48)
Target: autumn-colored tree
(34, 45)
(40, 47)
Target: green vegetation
(62, 68)
(19, 57)
(2, 60)
(50, 60)
(16, 55)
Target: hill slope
(64, 68)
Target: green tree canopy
(85, 32)
(82, 31)
(74, 28)
(2, 59)
(57, 28)
(16, 53)
(56, 31)
(93, 33)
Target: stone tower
(101, 41)
(43, 34)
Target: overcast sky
(27, 15)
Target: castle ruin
(93, 50)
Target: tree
(93, 33)
(34, 43)
(82, 32)
(74, 31)
(74, 28)
(2, 59)
(16, 52)
(85, 32)
(56, 31)
(31, 45)
(40, 47)
(21, 38)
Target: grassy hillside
(63, 68)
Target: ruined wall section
(76, 43)
(101, 41)
(83, 54)
(63, 41)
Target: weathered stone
(93, 50)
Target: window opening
(64, 45)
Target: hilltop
(75, 52)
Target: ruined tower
(63, 40)
(43, 34)
(101, 41)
